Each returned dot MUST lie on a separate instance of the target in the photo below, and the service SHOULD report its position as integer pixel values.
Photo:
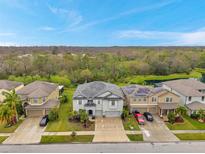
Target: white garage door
(34, 113)
(98, 113)
(113, 114)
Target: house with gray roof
(191, 92)
(7, 86)
(39, 97)
(148, 99)
(99, 99)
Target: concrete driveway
(29, 132)
(109, 130)
(157, 131)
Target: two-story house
(148, 99)
(99, 99)
(8, 86)
(39, 97)
(191, 92)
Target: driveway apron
(109, 130)
(157, 131)
(29, 132)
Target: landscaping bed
(130, 123)
(66, 139)
(62, 124)
(191, 136)
(135, 137)
(3, 138)
(11, 129)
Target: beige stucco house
(39, 97)
(8, 86)
(147, 99)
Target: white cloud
(196, 37)
(47, 28)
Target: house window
(44, 99)
(145, 99)
(98, 101)
(167, 99)
(170, 99)
(154, 99)
(36, 100)
(135, 100)
(139, 99)
(189, 98)
(79, 102)
(202, 98)
(112, 103)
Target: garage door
(113, 114)
(98, 113)
(153, 110)
(34, 113)
(141, 110)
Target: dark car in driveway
(148, 116)
(44, 121)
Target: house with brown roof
(39, 97)
(148, 99)
(191, 92)
(8, 86)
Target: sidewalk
(5, 134)
(187, 131)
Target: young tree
(201, 114)
(181, 110)
(171, 117)
(5, 114)
(83, 116)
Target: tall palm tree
(12, 99)
(5, 114)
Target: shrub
(83, 116)
(53, 114)
(63, 98)
(171, 117)
(73, 134)
(181, 110)
(125, 113)
(194, 115)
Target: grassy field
(11, 129)
(189, 124)
(130, 122)
(191, 136)
(62, 124)
(141, 79)
(135, 137)
(67, 139)
(2, 138)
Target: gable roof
(187, 87)
(196, 105)
(9, 85)
(37, 89)
(96, 88)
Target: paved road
(157, 131)
(191, 147)
(109, 130)
(28, 132)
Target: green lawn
(130, 123)
(191, 136)
(135, 137)
(67, 139)
(2, 138)
(11, 129)
(189, 124)
(62, 124)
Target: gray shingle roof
(37, 89)
(196, 106)
(9, 85)
(96, 88)
(187, 87)
(48, 105)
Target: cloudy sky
(102, 22)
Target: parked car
(135, 112)
(140, 119)
(148, 116)
(44, 121)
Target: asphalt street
(108, 147)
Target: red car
(140, 119)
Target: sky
(102, 22)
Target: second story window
(168, 99)
(189, 98)
(154, 99)
(145, 99)
(98, 101)
(112, 103)
(202, 98)
(79, 102)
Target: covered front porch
(165, 108)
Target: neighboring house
(148, 99)
(39, 97)
(8, 86)
(99, 99)
(191, 92)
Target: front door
(90, 112)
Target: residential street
(190, 147)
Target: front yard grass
(130, 123)
(188, 124)
(191, 136)
(135, 137)
(11, 129)
(3, 138)
(62, 124)
(66, 139)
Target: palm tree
(181, 110)
(5, 114)
(12, 99)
